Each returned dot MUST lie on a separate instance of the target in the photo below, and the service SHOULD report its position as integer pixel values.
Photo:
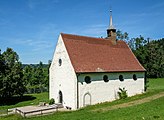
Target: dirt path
(132, 103)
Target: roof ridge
(82, 36)
(75, 35)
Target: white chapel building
(87, 70)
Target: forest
(17, 78)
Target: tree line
(17, 79)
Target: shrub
(52, 101)
(122, 93)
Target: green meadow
(148, 106)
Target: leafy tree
(151, 56)
(122, 36)
(27, 75)
(36, 77)
(2, 73)
(11, 76)
(2, 65)
(125, 37)
(155, 63)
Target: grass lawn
(156, 84)
(29, 99)
(147, 111)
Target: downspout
(78, 90)
(145, 82)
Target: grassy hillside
(29, 99)
(156, 84)
(148, 110)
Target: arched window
(134, 77)
(87, 79)
(60, 62)
(121, 78)
(105, 78)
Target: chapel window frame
(121, 78)
(105, 78)
(87, 79)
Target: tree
(11, 76)
(2, 66)
(36, 77)
(155, 64)
(122, 36)
(27, 75)
(151, 56)
(41, 75)
(2, 73)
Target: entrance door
(60, 97)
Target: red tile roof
(90, 54)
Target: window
(60, 62)
(87, 79)
(134, 77)
(121, 78)
(105, 78)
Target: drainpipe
(78, 90)
(145, 82)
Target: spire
(111, 31)
(111, 24)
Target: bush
(122, 93)
(52, 101)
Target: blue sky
(32, 27)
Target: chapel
(87, 70)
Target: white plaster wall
(63, 78)
(101, 91)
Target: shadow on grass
(16, 99)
